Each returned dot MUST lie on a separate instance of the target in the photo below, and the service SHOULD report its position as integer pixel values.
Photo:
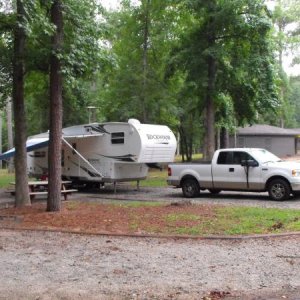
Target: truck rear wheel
(279, 190)
(190, 188)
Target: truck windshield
(265, 156)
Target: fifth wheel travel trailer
(103, 152)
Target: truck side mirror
(249, 163)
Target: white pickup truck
(238, 169)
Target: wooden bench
(35, 189)
(65, 193)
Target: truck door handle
(231, 169)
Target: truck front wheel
(190, 188)
(279, 190)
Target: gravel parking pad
(45, 265)
(48, 265)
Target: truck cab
(239, 169)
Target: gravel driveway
(45, 265)
(38, 265)
(168, 194)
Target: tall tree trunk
(1, 120)
(224, 138)
(211, 78)
(145, 61)
(10, 139)
(282, 93)
(22, 192)
(56, 112)
(210, 109)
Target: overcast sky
(110, 4)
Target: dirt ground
(102, 218)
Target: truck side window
(225, 158)
(238, 157)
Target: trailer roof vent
(134, 122)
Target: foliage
(286, 40)
(151, 60)
(294, 96)
(227, 58)
(83, 57)
(140, 40)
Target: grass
(157, 178)
(231, 220)
(245, 221)
(225, 221)
(6, 178)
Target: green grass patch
(155, 178)
(6, 178)
(158, 178)
(220, 221)
(248, 220)
(181, 217)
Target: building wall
(279, 145)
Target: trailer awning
(82, 136)
(31, 145)
(37, 143)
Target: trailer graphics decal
(128, 157)
(159, 138)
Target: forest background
(201, 67)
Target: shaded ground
(108, 218)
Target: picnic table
(40, 187)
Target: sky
(110, 4)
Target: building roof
(259, 129)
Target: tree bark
(224, 138)
(145, 62)
(56, 111)
(210, 109)
(21, 188)
(1, 151)
(211, 78)
(10, 137)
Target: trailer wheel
(279, 190)
(190, 188)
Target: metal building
(280, 141)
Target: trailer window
(117, 138)
(74, 146)
(38, 154)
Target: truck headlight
(295, 173)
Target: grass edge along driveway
(137, 217)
